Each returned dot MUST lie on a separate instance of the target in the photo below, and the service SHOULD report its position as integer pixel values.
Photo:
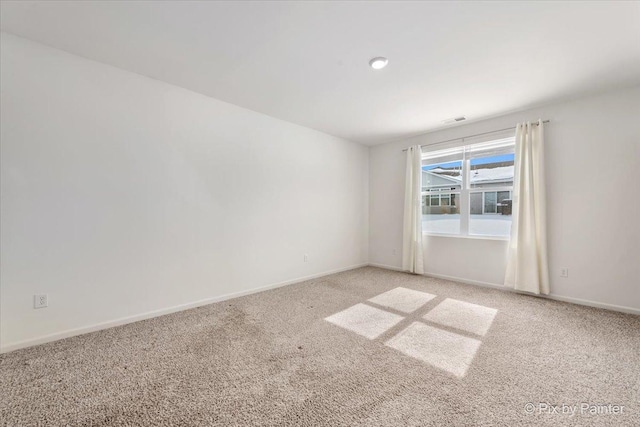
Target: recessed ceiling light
(378, 63)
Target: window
(467, 190)
(490, 202)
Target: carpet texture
(273, 359)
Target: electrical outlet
(40, 301)
(306, 257)
(564, 272)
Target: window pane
(495, 219)
(442, 182)
(490, 201)
(442, 170)
(490, 225)
(503, 195)
(443, 219)
(504, 202)
(476, 203)
(442, 176)
(495, 170)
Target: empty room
(330, 213)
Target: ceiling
(307, 62)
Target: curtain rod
(471, 136)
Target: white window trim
(469, 236)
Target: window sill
(472, 237)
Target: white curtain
(412, 241)
(527, 268)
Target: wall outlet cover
(40, 301)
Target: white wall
(593, 177)
(123, 195)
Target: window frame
(469, 152)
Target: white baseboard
(469, 281)
(156, 313)
(386, 267)
(613, 307)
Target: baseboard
(386, 267)
(469, 281)
(613, 307)
(156, 313)
(578, 301)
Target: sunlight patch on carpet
(438, 347)
(465, 316)
(403, 299)
(365, 320)
(443, 349)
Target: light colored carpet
(364, 320)
(273, 359)
(445, 350)
(402, 299)
(465, 316)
